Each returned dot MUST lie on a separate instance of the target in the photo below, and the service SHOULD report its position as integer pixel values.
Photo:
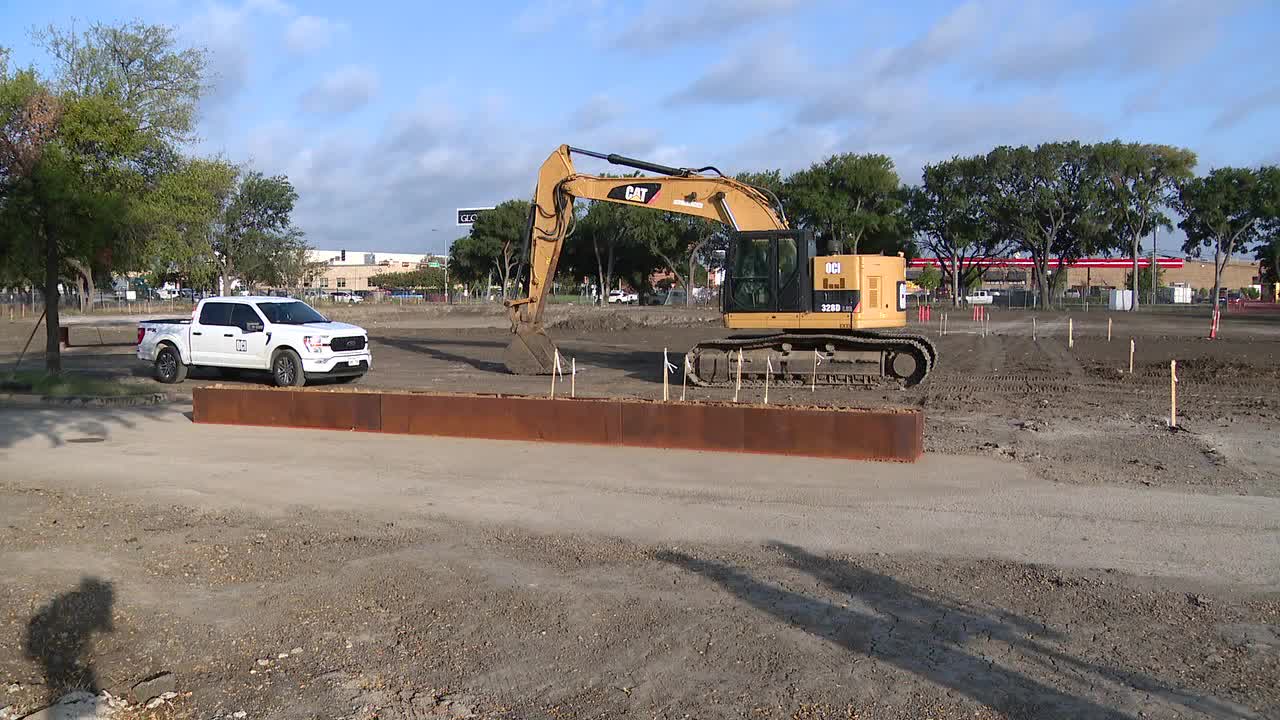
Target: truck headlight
(313, 343)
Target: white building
(364, 257)
(351, 269)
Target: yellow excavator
(812, 317)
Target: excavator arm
(678, 190)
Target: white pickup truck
(278, 334)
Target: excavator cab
(769, 271)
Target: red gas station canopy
(1118, 263)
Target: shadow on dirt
(946, 642)
(59, 636)
(62, 425)
(637, 364)
(432, 346)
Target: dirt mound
(1212, 369)
(604, 321)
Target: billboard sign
(467, 216)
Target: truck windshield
(290, 313)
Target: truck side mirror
(252, 327)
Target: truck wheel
(286, 369)
(169, 366)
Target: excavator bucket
(531, 352)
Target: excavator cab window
(769, 271)
(750, 283)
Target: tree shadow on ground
(59, 636)
(952, 644)
(61, 425)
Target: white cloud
(748, 75)
(1044, 45)
(311, 33)
(958, 31)
(341, 91)
(663, 24)
(224, 31)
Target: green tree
(617, 240)
(1050, 200)
(773, 184)
(684, 241)
(138, 67)
(1137, 182)
(496, 244)
(952, 215)
(1143, 284)
(80, 149)
(68, 186)
(930, 279)
(295, 267)
(178, 218)
(1268, 255)
(422, 278)
(847, 198)
(255, 239)
(1230, 210)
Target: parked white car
(346, 297)
(623, 297)
(979, 297)
(284, 336)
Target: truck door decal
(242, 346)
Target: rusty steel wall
(894, 435)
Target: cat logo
(642, 193)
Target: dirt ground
(1072, 415)
(418, 610)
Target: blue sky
(388, 115)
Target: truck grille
(347, 344)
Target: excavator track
(873, 359)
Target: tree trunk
(1217, 272)
(955, 282)
(608, 273)
(86, 278)
(1042, 281)
(52, 347)
(603, 290)
(504, 272)
(688, 291)
(1134, 306)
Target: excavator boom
(678, 190)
